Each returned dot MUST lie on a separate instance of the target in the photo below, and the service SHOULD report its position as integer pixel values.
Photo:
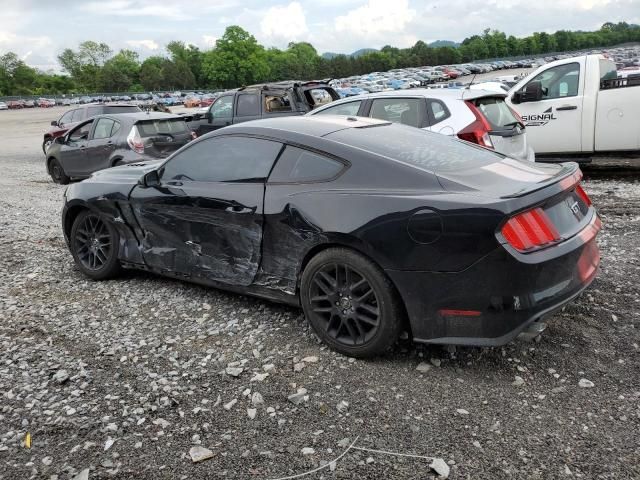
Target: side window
(248, 105)
(115, 129)
(66, 118)
(223, 159)
(407, 111)
(78, 115)
(81, 132)
(438, 111)
(223, 107)
(558, 82)
(299, 165)
(103, 128)
(349, 108)
(277, 103)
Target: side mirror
(210, 116)
(54, 123)
(532, 92)
(150, 179)
(61, 140)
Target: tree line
(238, 59)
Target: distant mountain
(444, 43)
(362, 51)
(357, 53)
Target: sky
(38, 30)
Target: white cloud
(209, 40)
(127, 8)
(287, 22)
(148, 44)
(376, 17)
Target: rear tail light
(583, 195)
(530, 230)
(478, 131)
(135, 141)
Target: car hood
(129, 173)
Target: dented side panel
(207, 231)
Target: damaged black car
(371, 227)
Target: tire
(94, 245)
(350, 303)
(46, 144)
(57, 172)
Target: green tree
(237, 60)
(120, 72)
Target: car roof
(109, 105)
(303, 125)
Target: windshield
(497, 113)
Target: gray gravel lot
(124, 377)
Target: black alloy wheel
(350, 303)
(94, 246)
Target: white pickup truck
(578, 107)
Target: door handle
(238, 209)
(174, 183)
(567, 107)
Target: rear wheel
(94, 246)
(350, 303)
(57, 172)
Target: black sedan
(371, 227)
(113, 139)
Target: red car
(15, 104)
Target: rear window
(429, 151)
(316, 97)
(150, 128)
(497, 113)
(277, 103)
(608, 70)
(116, 109)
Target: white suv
(477, 116)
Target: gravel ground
(125, 377)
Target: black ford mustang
(370, 226)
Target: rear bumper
(491, 302)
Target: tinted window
(119, 109)
(439, 111)
(78, 115)
(222, 108)
(173, 126)
(608, 70)
(223, 159)
(429, 151)
(277, 103)
(407, 111)
(350, 108)
(248, 105)
(560, 81)
(66, 118)
(298, 165)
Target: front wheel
(57, 173)
(94, 246)
(350, 303)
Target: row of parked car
(19, 104)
